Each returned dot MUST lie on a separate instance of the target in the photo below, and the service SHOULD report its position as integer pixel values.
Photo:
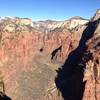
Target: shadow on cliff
(4, 97)
(69, 80)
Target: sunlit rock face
(97, 15)
(91, 75)
(30, 52)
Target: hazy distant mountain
(43, 26)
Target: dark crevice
(4, 97)
(41, 50)
(97, 61)
(69, 80)
(54, 54)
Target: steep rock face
(17, 29)
(78, 77)
(97, 15)
(91, 75)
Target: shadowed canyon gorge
(50, 60)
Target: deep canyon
(50, 60)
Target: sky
(49, 9)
